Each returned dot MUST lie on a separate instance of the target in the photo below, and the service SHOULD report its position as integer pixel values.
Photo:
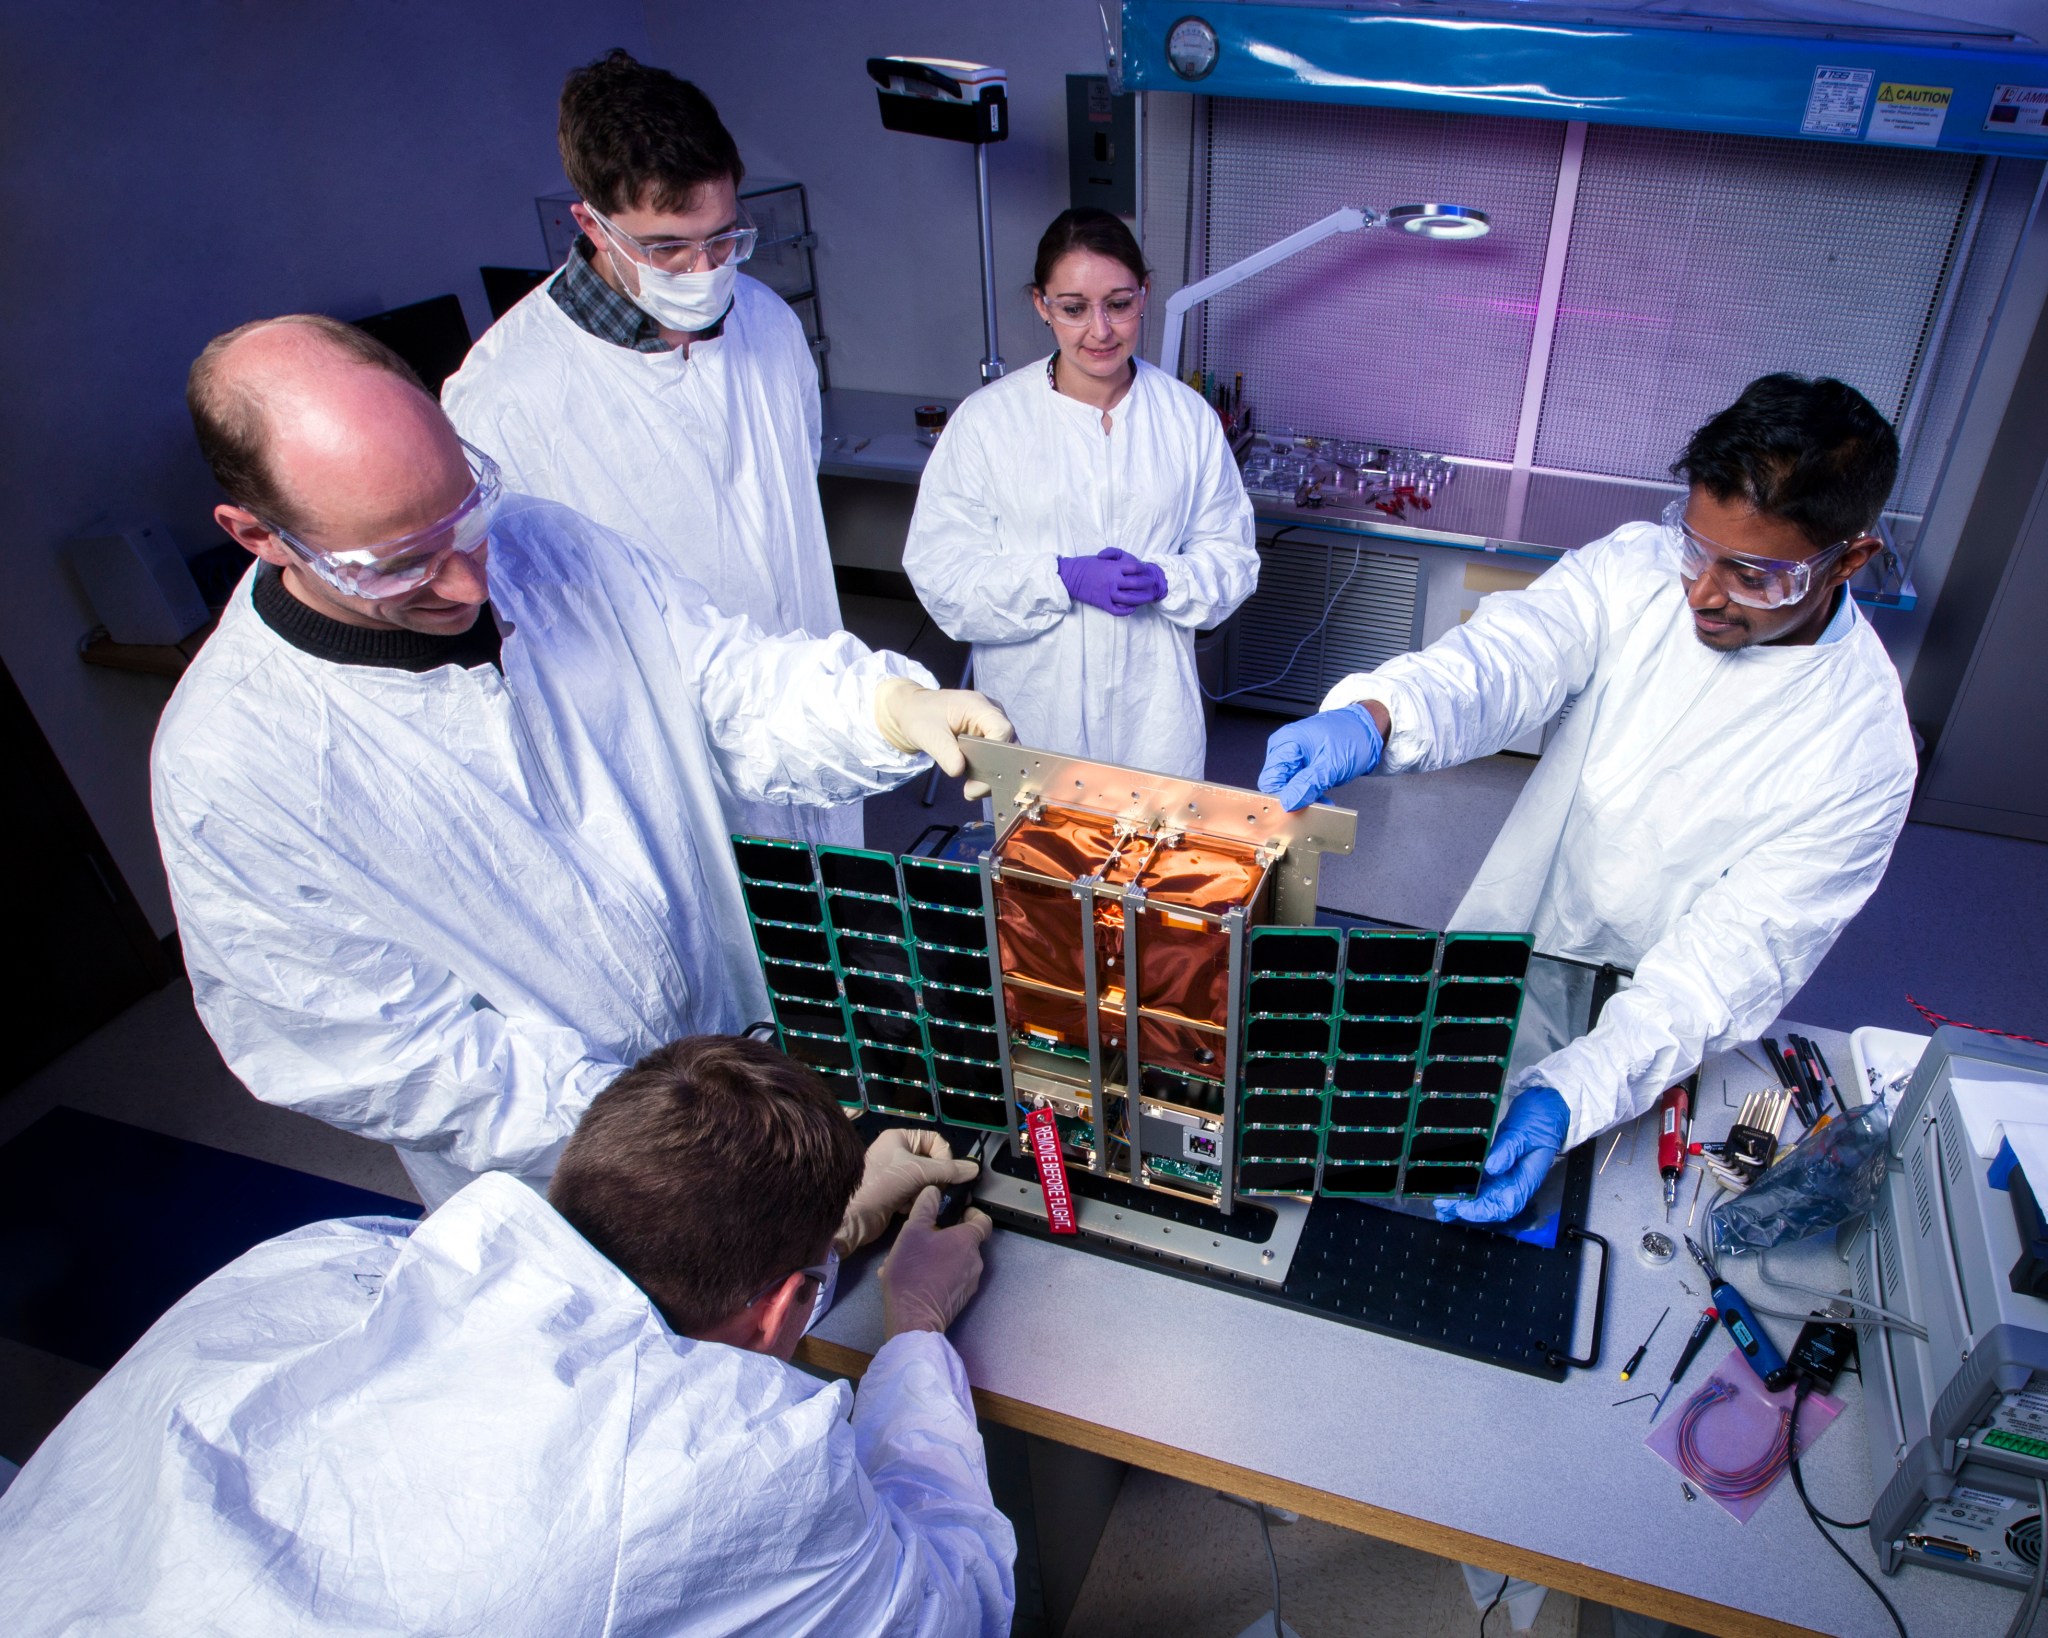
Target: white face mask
(682, 301)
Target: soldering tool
(1674, 1127)
(1702, 1328)
(1736, 1314)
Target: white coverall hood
(709, 459)
(1712, 820)
(1024, 476)
(444, 909)
(478, 1424)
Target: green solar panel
(1373, 1060)
(892, 1022)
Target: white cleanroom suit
(478, 1424)
(710, 459)
(1710, 819)
(1024, 476)
(445, 909)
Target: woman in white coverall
(1727, 789)
(535, 1420)
(1081, 519)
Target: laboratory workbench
(1531, 518)
(1548, 1481)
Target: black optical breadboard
(879, 975)
(1465, 1290)
(1375, 1059)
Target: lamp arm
(1178, 304)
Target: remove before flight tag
(1043, 1134)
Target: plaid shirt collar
(595, 307)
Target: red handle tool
(1674, 1127)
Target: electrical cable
(2030, 1606)
(1490, 1608)
(760, 1024)
(1898, 1319)
(1330, 608)
(1888, 1323)
(1938, 1019)
(1738, 1483)
(1821, 1521)
(1273, 1564)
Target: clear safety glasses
(1754, 582)
(820, 1273)
(1118, 308)
(680, 255)
(391, 568)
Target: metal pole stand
(992, 360)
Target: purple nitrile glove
(1155, 580)
(1531, 1133)
(1112, 580)
(1307, 759)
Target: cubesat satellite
(1136, 956)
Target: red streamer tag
(1043, 1134)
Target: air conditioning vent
(1285, 655)
(1955, 1145)
(2023, 1540)
(1888, 1253)
(1923, 1190)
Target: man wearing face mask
(653, 386)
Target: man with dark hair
(1726, 790)
(522, 1418)
(655, 387)
(441, 800)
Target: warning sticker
(1910, 115)
(1834, 107)
(2019, 110)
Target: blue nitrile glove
(1308, 758)
(1530, 1135)
(1112, 580)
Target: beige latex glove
(915, 718)
(900, 1162)
(932, 1272)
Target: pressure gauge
(1191, 48)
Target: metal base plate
(1266, 1262)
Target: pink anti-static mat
(1739, 1431)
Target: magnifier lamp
(1426, 221)
(959, 102)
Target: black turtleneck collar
(326, 638)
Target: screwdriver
(1756, 1346)
(1636, 1358)
(1702, 1329)
(1674, 1126)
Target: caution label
(2019, 110)
(1834, 107)
(1910, 115)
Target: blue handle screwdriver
(1757, 1348)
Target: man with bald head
(441, 800)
